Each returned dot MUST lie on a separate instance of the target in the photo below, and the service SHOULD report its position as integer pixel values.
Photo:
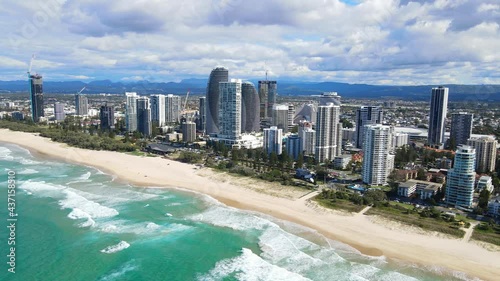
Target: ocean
(78, 223)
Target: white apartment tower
(486, 151)
(461, 178)
(230, 109)
(273, 138)
(158, 110)
(172, 108)
(328, 117)
(131, 111)
(376, 159)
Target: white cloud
(375, 41)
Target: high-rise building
(486, 152)
(291, 116)
(273, 138)
(219, 74)
(340, 129)
(308, 137)
(327, 120)
(144, 116)
(188, 131)
(59, 114)
(107, 117)
(461, 128)
(202, 119)
(366, 115)
(437, 116)
(131, 111)
(81, 105)
(461, 178)
(250, 108)
(36, 93)
(329, 97)
(294, 146)
(398, 140)
(267, 95)
(172, 108)
(280, 117)
(376, 160)
(158, 110)
(230, 109)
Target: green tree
(273, 159)
(300, 161)
(421, 175)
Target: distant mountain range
(198, 86)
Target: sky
(382, 42)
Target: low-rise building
(494, 207)
(485, 182)
(423, 189)
(341, 161)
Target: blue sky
(400, 42)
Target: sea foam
(249, 266)
(116, 248)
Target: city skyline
(125, 41)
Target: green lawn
(414, 219)
(492, 235)
(339, 204)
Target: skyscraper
(291, 115)
(461, 128)
(81, 105)
(280, 117)
(107, 117)
(461, 178)
(267, 95)
(36, 93)
(294, 146)
(366, 115)
(437, 116)
(172, 108)
(158, 110)
(486, 152)
(230, 109)
(273, 137)
(329, 97)
(59, 114)
(144, 116)
(250, 108)
(188, 131)
(376, 160)
(131, 111)
(327, 120)
(219, 74)
(202, 120)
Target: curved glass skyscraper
(250, 108)
(219, 74)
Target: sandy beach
(368, 235)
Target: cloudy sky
(357, 41)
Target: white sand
(358, 231)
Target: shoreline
(358, 232)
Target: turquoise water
(77, 223)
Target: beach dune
(371, 237)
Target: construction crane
(81, 90)
(185, 102)
(31, 64)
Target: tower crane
(31, 64)
(81, 90)
(186, 101)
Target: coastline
(359, 232)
